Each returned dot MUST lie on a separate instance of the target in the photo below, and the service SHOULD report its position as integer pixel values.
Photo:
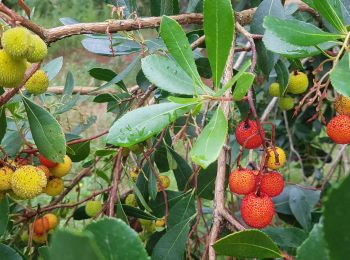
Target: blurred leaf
(182, 211)
(120, 213)
(206, 181)
(286, 236)
(153, 240)
(3, 123)
(68, 20)
(142, 81)
(341, 71)
(69, 85)
(105, 152)
(4, 215)
(81, 151)
(161, 158)
(53, 67)
(12, 142)
(137, 213)
(244, 82)
(330, 10)
(103, 46)
(46, 131)
(80, 214)
(182, 172)
(7, 253)
(282, 76)
(152, 181)
(203, 67)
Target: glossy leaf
(137, 213)
(341, 71)
(331, 13)
(4, 215)
(8, 253)
(3, 123)
(142, 123)
(46, 131)
(286, 236)
(182, 172)
(243, 85)
(211, 140)
(219, 31)
(247, 244)
(182, 210)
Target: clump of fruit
(298, 82)
(272, 184)
(62, 169)
(38, 83)
(338, 129)
(272, 160)
(247, 134)
(274, 90)
(93, 208)
(38, 49)
(242, 181)
(164, 182)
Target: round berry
(272, 160)
(272, 184)
(247, 134)
(338, 129)
(242, 181)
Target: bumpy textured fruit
(272, 184)
(242, 181)
(38, 49)
(134, 173)
(46, 162)
(338, 129)
(274, 90)
(45, 170)
(298, 82)
(272, 160)
(92, 208)
(16, 42)
(28, 181)
(247, 134)
(11, 71)
(165, 181)
(160, 222)
(342, 105)
(257, 211)
(131, 200)
(40, 239)
(5, 178)
(286, 103)
(52, 219)
(41, 226)
(54, 187)
(62, 169)
(38, 83)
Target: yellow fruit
(271, 158)
(147, 225)
(5, 178)
(38, 83)
(160, 222)
(28, 181)
(165, 181)
(131, 200)
(11, 71)
(16, 42)
(54, 187)
(62, 169)
(134, 173)
(298, 82)
(38, 49)
(93, 208)
(52, 219)
(286, 103)
(274, 90)
(40, 239)
(342, 105)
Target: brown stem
(117, 172)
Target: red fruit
(247, 134)
(338, 129)
(257, 211)
(272, 184)
(41, 226)
(242, 181)
(46, 162)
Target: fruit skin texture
(38, 83)
(38, 49)
(62, 169)
(11, 71)
(134, 173)
(54, 187)
(131, 200)
(257, 212)
(274, 90)
(16, 42)
(5, 178)
(28, 181)
(342, 105)
(52, 219)
(298, 82)
(286, 103)
(338, 129)
(272, 184)
(271, 158)
(165, 181)
(247, 134)
(46, 162)
(92, 208)
(40, 239)
(160, 222)
(45, 170)
(41, 226)
(242, 181)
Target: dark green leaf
(161, 158)
(102, 74)
(7, 253)
(203, 67)
(282, 76)
(158, 205)
(80, 213)
(182, 211)
(286, 236)
(81, 151)
(3, 123)
(137, 213)
(341, 71)
(182, 172)
(4, 215)
(330, 11)
(243, 84)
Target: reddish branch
(116, 176)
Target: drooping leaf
(46, 131)
(243, 84)
(4, 215)
(8, 253)
(341, 71)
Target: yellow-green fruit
(5, 178)
(298, 82)
(62, 169)
(286, 103)
(164, 182)
(131, 200)
(272, 160)
(25, 236)
(38, 83)
(342, 105)
(52, 220)
(274, 90)
(134, 173)
(92, 208)
(147, 225)
(11, 71)
(54, 187)
(38, 49)
(160, 222)
(16, 42)
(28, 181)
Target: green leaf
(340, 72)
(158, 205)
(297, 32)
(243, 84)
(142, 123)
(152, 181)
(119, 212)
(117, 240)
(219, 31)
(182, 210)
(53, 67)
(282, 76)
(336, 221)
(167, 75)
(137, 213)
(69, 85)
(247, 244)
(176, 41)
(182, 172)
(314, 247)
(209, 143)
(79, 152)
(331, 13)
(46, 131)
(3, 123)
(286, 236)
(8, 253)
(4, 215)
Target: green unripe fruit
(16, 42)
(11, 71)
(92, 208)
(298, 82)
(274, 90)
(130, 200)
(147, 225)
(38, 49)
(38, 83)
(286, 103)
